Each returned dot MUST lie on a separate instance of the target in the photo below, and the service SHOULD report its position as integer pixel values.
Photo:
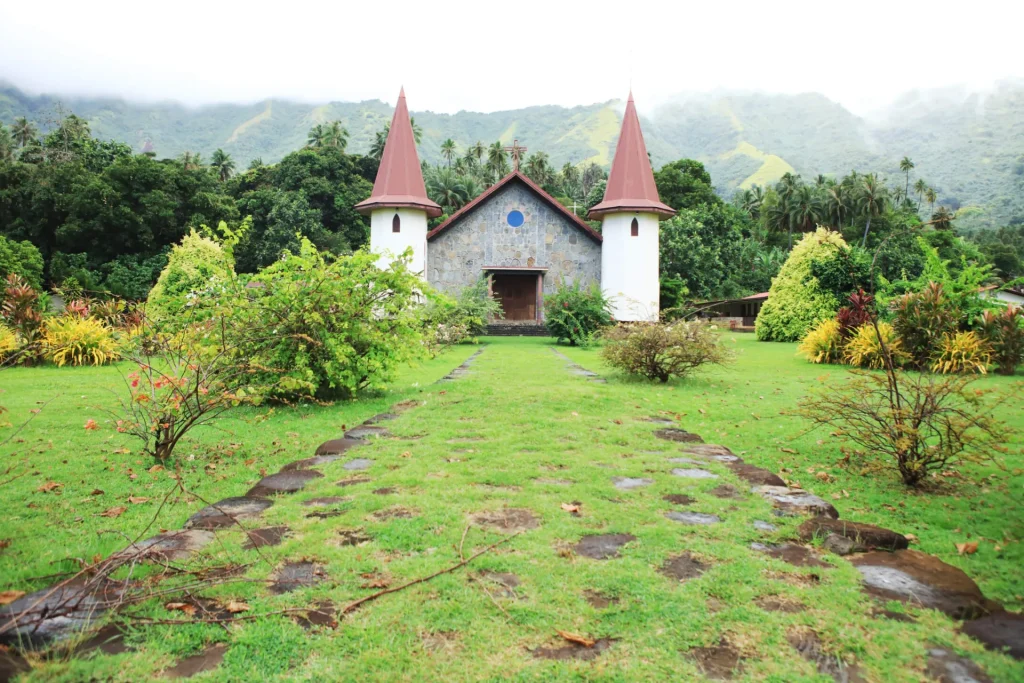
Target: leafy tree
(21, 259)
(685, 184)
(196, 271)
(700, 247)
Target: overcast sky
(485, 55)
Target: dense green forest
(970, 146)
(80, 212)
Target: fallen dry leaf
(49, 486)
(575, 414)
(136, 500)
(181, 607)
(701, 411)
(576, 638)
(7, 597)
(911, 538)
(788, 450)
(156, 468)
(405, 454)
(570, 508)
(113, 512)
(122, 451)
(96, 492)
(236, 606)
(968, 548)
(91, 425)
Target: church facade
(519, 237)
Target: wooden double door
(517, 293)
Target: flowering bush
(662, 351)
(824, 343)
(1005, 332)
(69, 339)
(576, 315)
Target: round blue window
(515, 218)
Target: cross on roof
(515, 149)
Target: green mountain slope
(970, 147)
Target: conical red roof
(399, 180)
(631, 182)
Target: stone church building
(521, 238)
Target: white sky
(485, 55)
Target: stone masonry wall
(483, 237)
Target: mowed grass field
(518, 431)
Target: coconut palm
(942, 219)
(930, 197)
(6, 144)
(788, 185)
(820, 180)
(906, 165)
(445, 188)
(316, 136)
(497, 161)
(478, 151)
(23, 132)
(256, 163)
(805, 209)
(538, 168)
(335, 135)
(752, 200)
(837, 204)
(222, 162)
(920, 187)
(448, 151)
(589, 177)
(871, 202)
(191, 161)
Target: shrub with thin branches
(662, 351)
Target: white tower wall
(629, 265)
(390, 244)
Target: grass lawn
(519, 431)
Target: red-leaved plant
(856, 314)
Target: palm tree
(837, 204)
(497, 162)
(906, 165)
(778, 218)
(898, 196)
(191, 161)
(752, 200)
(805, 209)
(871, 201)
(223, 163)
(448, 151)
(23, 132)
(6, 144)
(256, 163)
(920, 187)
(538, 168)
(478, 150)
(942, 219)
(820, 181)
(335, 135)
(930, 196)
(445, 188)
(788, 184)
(316, 136)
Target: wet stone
(808, 645)
(707, 449)
(841, 545)
(323, 615)
(12, 665)
(628, 483)
(293, 575)
(172, 546)
(403, 406)
(259, 538)
(207, 660)
(505, 581)
(797, 501)
(60, 612)
(352, 481)
(108, 640)
(599, 600)
(1003, 631)
(863, 536)
(693, 474)
(283, 482)
(366, 432)
(755, 476)
(764, 526)
(947, 667)
(678, 435)
(698, 518)
(602, 546)
(679, 499)
(686, 461)
(726, 491)
(796, 555)
(507, 520)
(353, 537)
(337, 446)
(719, 662)
(224, 513)
(325, 501)
(323, 514)
(358, 464)
(381, 417)
(574, 651)
(917, 578)
(308, 463)
(683, 567)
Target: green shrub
(197, 272)
(576, 315)
(8, 342)
(22, 310)
(922, 320)
(448, 321)
(962, 353)
(22, 259)
(863, 349)
(70, 339)
(1005, 332)
(663, 350)
(796, 301)
(823, 344)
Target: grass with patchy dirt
(518, 432)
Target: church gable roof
(536, 189)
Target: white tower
(630, 213)
(399, 206)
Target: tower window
(634, 228)
(396, 224)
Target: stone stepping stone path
(259, 538)
(207, 660)
(338, 446)
(508, 520)
(677, 435)
(308, 463)
(325, 501)
(358, 464)
(1002, 632)
(323, 615)
(574, 651)
(696, 518)
(630, 483)
(283, 482)
(462, 370)
(294, 575)
(579, 370)
(721, 662)
(228, 512)
(843, 537)
(808, 645)
(352, 481)
(381, 417)
(353, 537)
(683, 567)
(694, 474)
(796, 555)
(171, 546)
(686, 461)
(797, 501)
(602, 546)
(947, 667)
(727, 491)
(755, 476)
(764, 526)
(61, 611)
(506, 582)
(365, 432)
(709, 450)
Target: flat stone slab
(507, 520)
(259, 538)
(381, 417)
(61, 612)
(796, 555)
(353, 537)
(352, 481)
(808, 645)
(1002, 632)
(365, 432)
(797, 501)
(659, 420)
(506, 583)
(947, 667)
(599, 600)
(602, 546)
(324, 615)
(698, 518)
(358, 464)
(678, 435)
(686, 461)
(708, 449)
(864, 536)
(172, 546)
(721, 662)
(918, 578)
(307, 463)
(694, 473)
(207, 660)
(574, 651)
(224, 513)
(337, 446)
(627, 483)
(727, 491)
(283, 482)
(683, 567)
(764, 526)
(293, 575)
(755, 476)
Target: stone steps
(517, 330)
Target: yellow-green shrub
(823, 344)
(8, 341)
(78, 341)
(864, 350)
(962, 353)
